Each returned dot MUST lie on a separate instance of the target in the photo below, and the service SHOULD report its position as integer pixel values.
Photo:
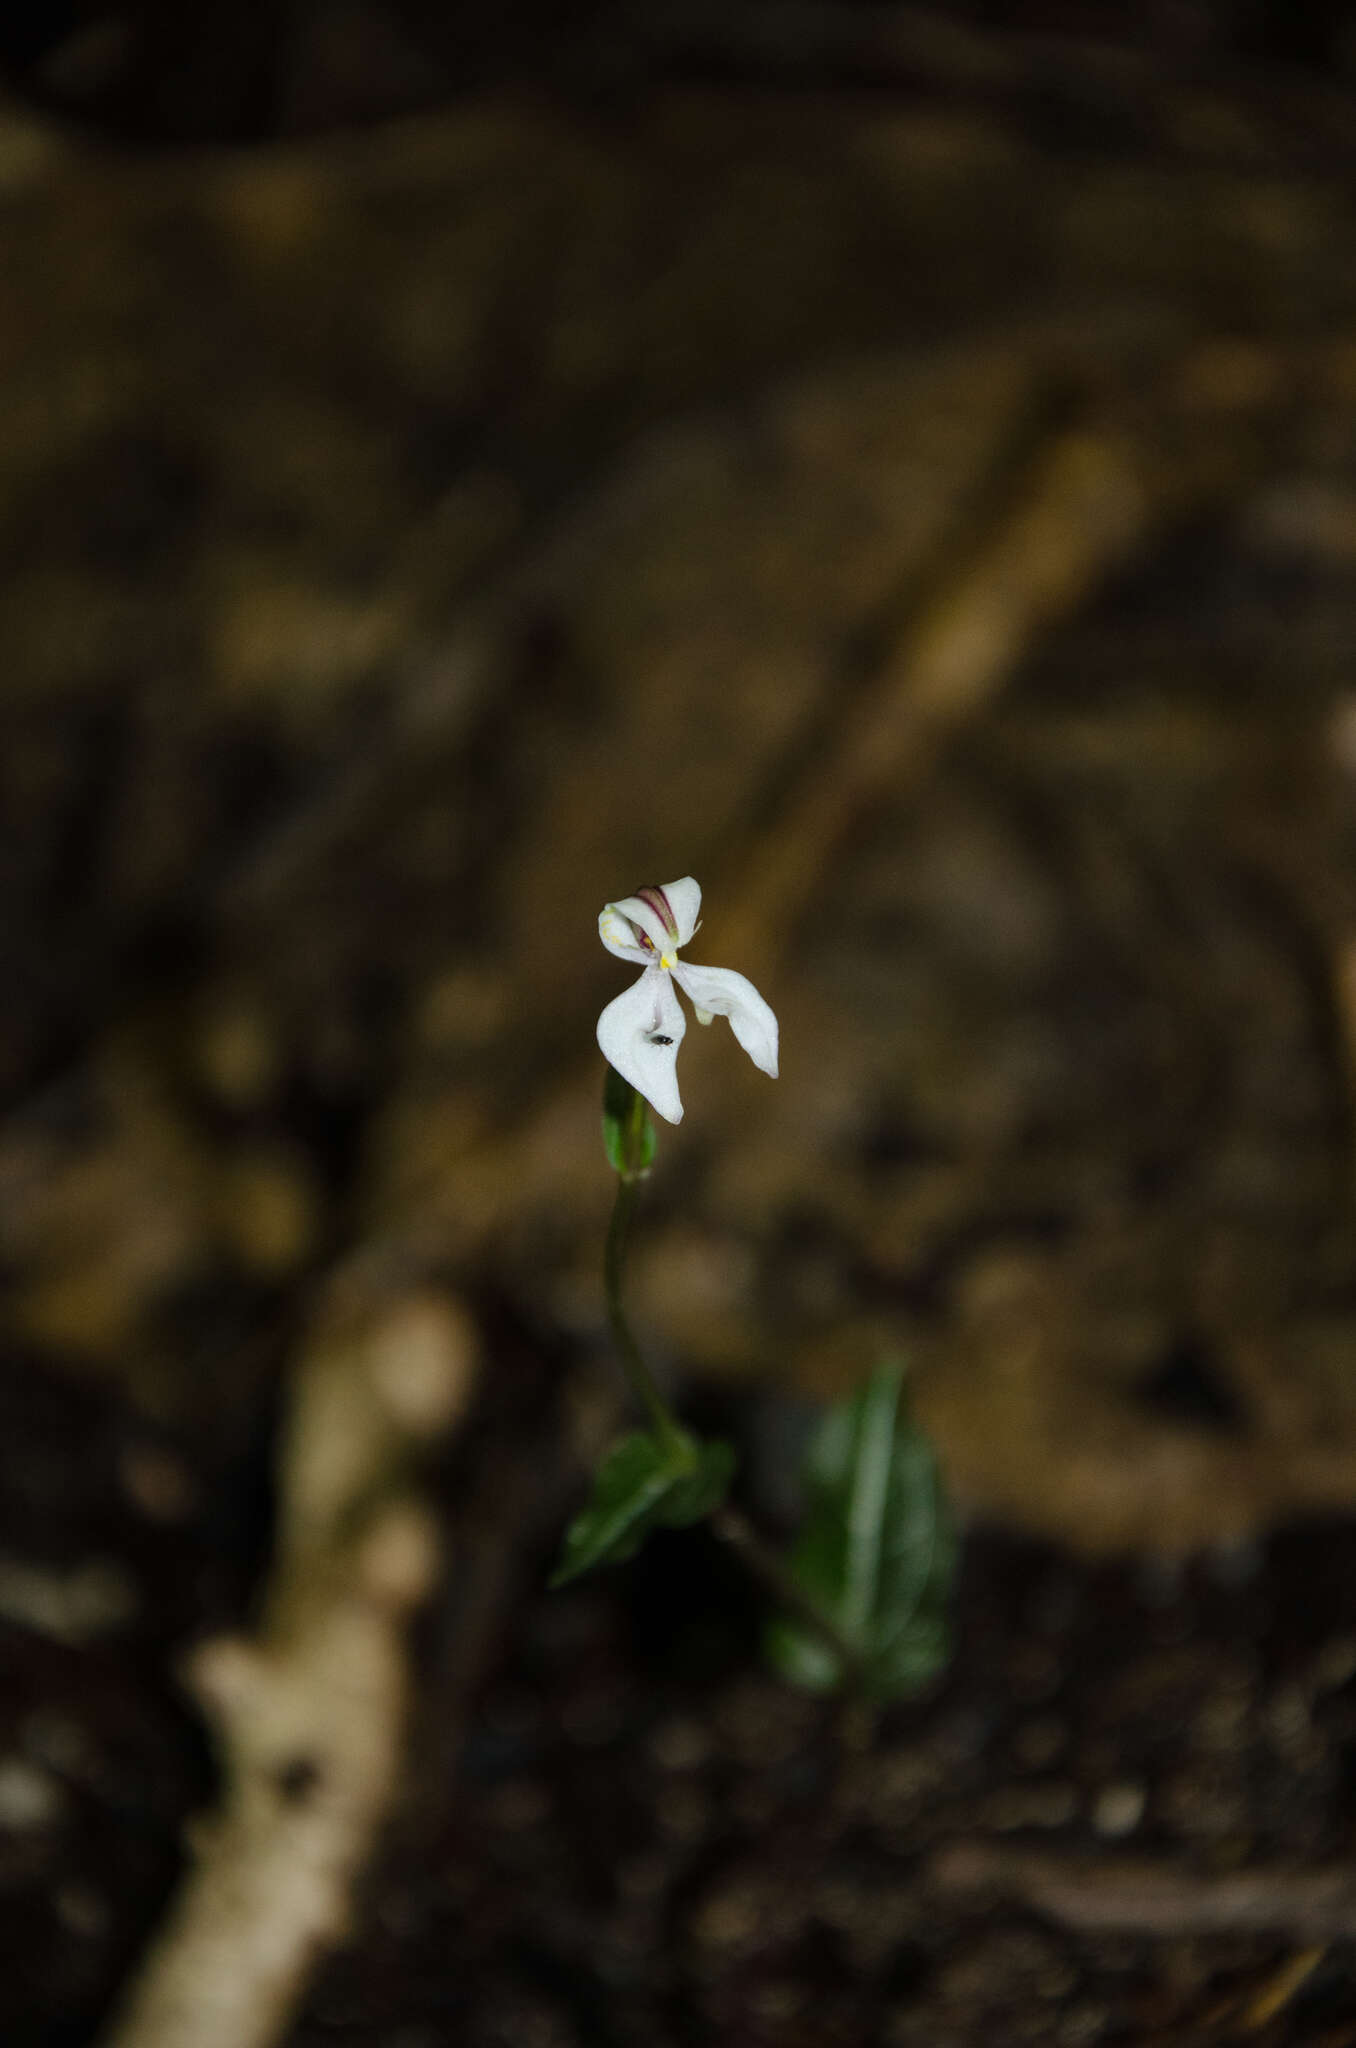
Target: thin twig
(1138, 1896)
(765, 1564)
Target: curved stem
(729, 1525)
(633, 1365)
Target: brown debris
(1138, 1896)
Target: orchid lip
(642, 938)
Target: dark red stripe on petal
(654, 899)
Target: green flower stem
(729, 1525)
(637, 1372)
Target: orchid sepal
(720, 992)
(640, 1032)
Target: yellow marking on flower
(668, 959)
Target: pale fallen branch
(309, 1716)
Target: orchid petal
(640, 1033)
(618, 933)
(720, 992)
(645, 915)
(685, 901)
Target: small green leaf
(877, 1552)
(642, 1483)
(629, 1137)
(803, 1658)
(694, 1497)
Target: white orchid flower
(641, 1031)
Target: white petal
(667, 916)
(616, 931)
(640, 1033)
(723, 993)
(685, 901)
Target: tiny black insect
(658, 1038)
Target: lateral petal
(617, 930)
(723, 993)
(640, 1032)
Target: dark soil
(628, 1831)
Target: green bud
(629, 1138)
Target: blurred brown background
(897, 465)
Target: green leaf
(694, 1497)
(877, 1552)
(629, 1138)
(644, 1482)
